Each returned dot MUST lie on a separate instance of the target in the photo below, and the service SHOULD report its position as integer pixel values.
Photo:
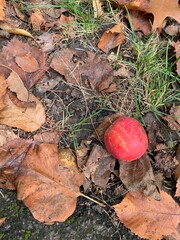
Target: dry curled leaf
(173, 118)
(46, 179)
(97, 6)
(147, 217)
(100, 164)
(11, 29)
(100, 130)
(138, 176)
(3, 90)
(176, 45)
(24, 110)
(13, 52)
(177, 194)
(112, 38)
(83, 67)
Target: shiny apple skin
(126, 139)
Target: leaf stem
(91, 199)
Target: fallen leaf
(141, 21)
(172, 30)
(11, 29)
(160, 10)
(176, 45)
(46, 178)
(28, 63)
(100, 164)
(147, 217)
(37, 20)
(29, 118)
(174, 118)
(138, 176)
(112, 38)
(175, 234)
(97, 6)
(6, 135)
(2, 8)
(100, 130)
(16, 50)
(47, 137)
(82, 153)
(177, 194)
(80, 66)
(2, 220)
(3, 90)
(47, 42)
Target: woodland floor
(66, 105)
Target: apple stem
(91, 199)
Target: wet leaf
(80, 66)
(138, 176)
(147, 217)
(16, 50)
(46, 178)
(112, 38)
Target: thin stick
(91, 199)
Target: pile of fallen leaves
(48, 179)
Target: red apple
(126, 139)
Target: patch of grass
(84, 24)
(154, 83)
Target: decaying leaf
(13, 52)
(11, 29)
(46, 179)
(138, 176)
(2, 7)
(47, 137)
(176, 45)
(173, 118)
(97, 6)
(112, 38)
(3, 90)
(37, 20)
(83, 67)
(100, 130)
(2, 220)
(177, 194)
(100, 164)
(6, 135)
(147, 217)
(159, 10)
(24, 110)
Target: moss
(70, 220)
(27, 235)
